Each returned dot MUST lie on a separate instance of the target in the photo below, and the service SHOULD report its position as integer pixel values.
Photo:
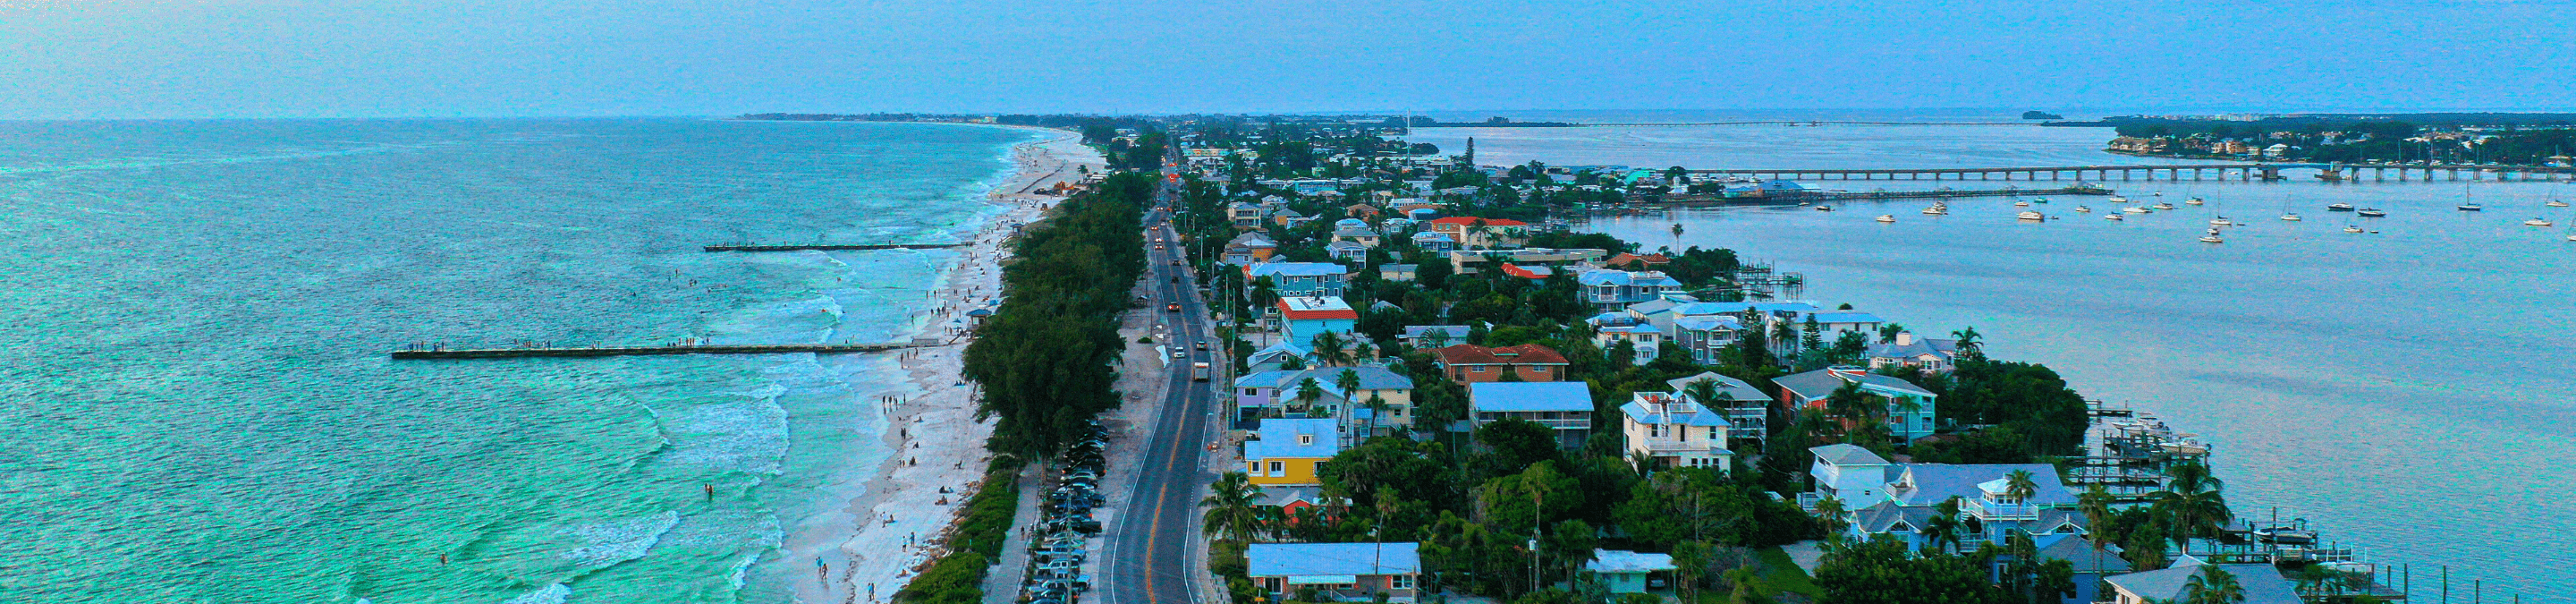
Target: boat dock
(435, 353)
(830, 247)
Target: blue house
(1613, 290)
(1301, 278)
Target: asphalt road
(1146, 553)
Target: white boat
(2135, 210)
(2113, 217)
(2556, 204)
(1824, 208)
(2117, 200)
(2194, 201)
(2290, 217)
(2162, 206)
(2373, 213)
(2221, 221)
(2021, 204)
(2030, 216)
(2351, 229)
(2083, 209)
(2211, 237)
(1887, 218)
(1936, 210)
(2285, 535)
(2535, 222)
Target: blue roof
(1267, 379)
(1625, 278)
(1823, 382)
(1708, 323)
(1529, 396)
(1371, 378)
(1937, 482)
(1279, 440)
(1847, 316)
(1331, 559)
(1690, 414)
(1296, 269)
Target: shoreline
(878, 539)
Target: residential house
(1360, 210)
(1899, 499)
(1674, 432)
(1275, 356)
(1347, 251)
(1289, 451)
(1300, 278)
(1288, 218)
(1627, 260)
(1398, 272)
(1245, 215)
(1304, 317)
(1747, 409)
(1339, 572)
(1435, 336)
(1612, 290)
(1250, 247)
(1360, 234)
(1909, 408)
(1483, 233)
(1291, 499)
(1377, 386)
(1271, 393)
(1470, 364)
(1563, 406)
(1627, 572)
(1437, 243)
(1611, 328)
(1928, 355)
(2260, 582)
(2092, 562)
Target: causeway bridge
(438, 353)
(2333, 172)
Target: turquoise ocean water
(195, 403)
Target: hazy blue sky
(304, 58)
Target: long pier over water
(2236, 171)
(830, 247)
(620, 351)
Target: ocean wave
(619, 541)
(550, 594)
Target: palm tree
(1348, 381)
(1232, 515)
(1703, 392)
(1831, 512)
(1307, 393)
(1677, 238)
(1943, 527)
(2212, 585)
(2096, 504)
(2020, 485)
(1967, 338)
(2192, 503)
(1329, 348)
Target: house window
(1657, 431)
(1399, 582)
(1305, 439)
(1477, 369)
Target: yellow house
(1289, 451)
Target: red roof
(1471, 220)
(1525, 354)
(1624, 258)
(1290, 312)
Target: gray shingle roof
(2262, 584)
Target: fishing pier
(2169, 172)
(830, 247)
(442, 353)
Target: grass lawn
(1781, 575)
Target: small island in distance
(2041, 115)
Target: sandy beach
(876, 542)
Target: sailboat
(2535, 222)
(1887, 218)
(2351, 228)
(2290, 217)
(2468, 204)
(2195, 200)
(2112, 217)
(2338, 207)
(2555, 204)
(2211, 237)
(2373, 213)
(2221, 221)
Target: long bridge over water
(2151, 172)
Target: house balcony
(1992, 511)
(1664, 446)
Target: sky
(88, 59)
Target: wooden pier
(623, 351)
(1706, 200)
(831, 248)
(2244, 171)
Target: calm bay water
(2407, 391)
(195, 405)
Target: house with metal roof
(1304, 317)
(1614, 289)
(1249, 247)
(1484, 233)
(1909, 408)
(1563, 406)
(2260, 582)
(1347, 251)
(1289, 451)
(1339, 572)
(1434, 242)
(1928, 355)
(1747, 409)
(1674, 432)
(1627, 572)
(1898, 499)
(1300, 278)
(1611, 328)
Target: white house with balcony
(1900, 499)
(1674, 432)
(1927, 355)
(1747, 409)
(1611, 328)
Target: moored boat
(2194, 201)
(2113, 217)
(2373, 213)
(2135, 210)
(2555, 204)
(2083, 209)
(2211, 237)
(2339, 207)
(2351, 229)
(1887, 218)
(2290, 217)
(2021, 204)
(1824, 208)
(2221, 221)
(2470, 207)
(2030, 216)
(2535, 222)
(2162, 206)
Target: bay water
(2406, 390)
(196, 404)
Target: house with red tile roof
(1469, 363)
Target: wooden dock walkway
(1708, 200)
(830, 248)
(622, 351)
